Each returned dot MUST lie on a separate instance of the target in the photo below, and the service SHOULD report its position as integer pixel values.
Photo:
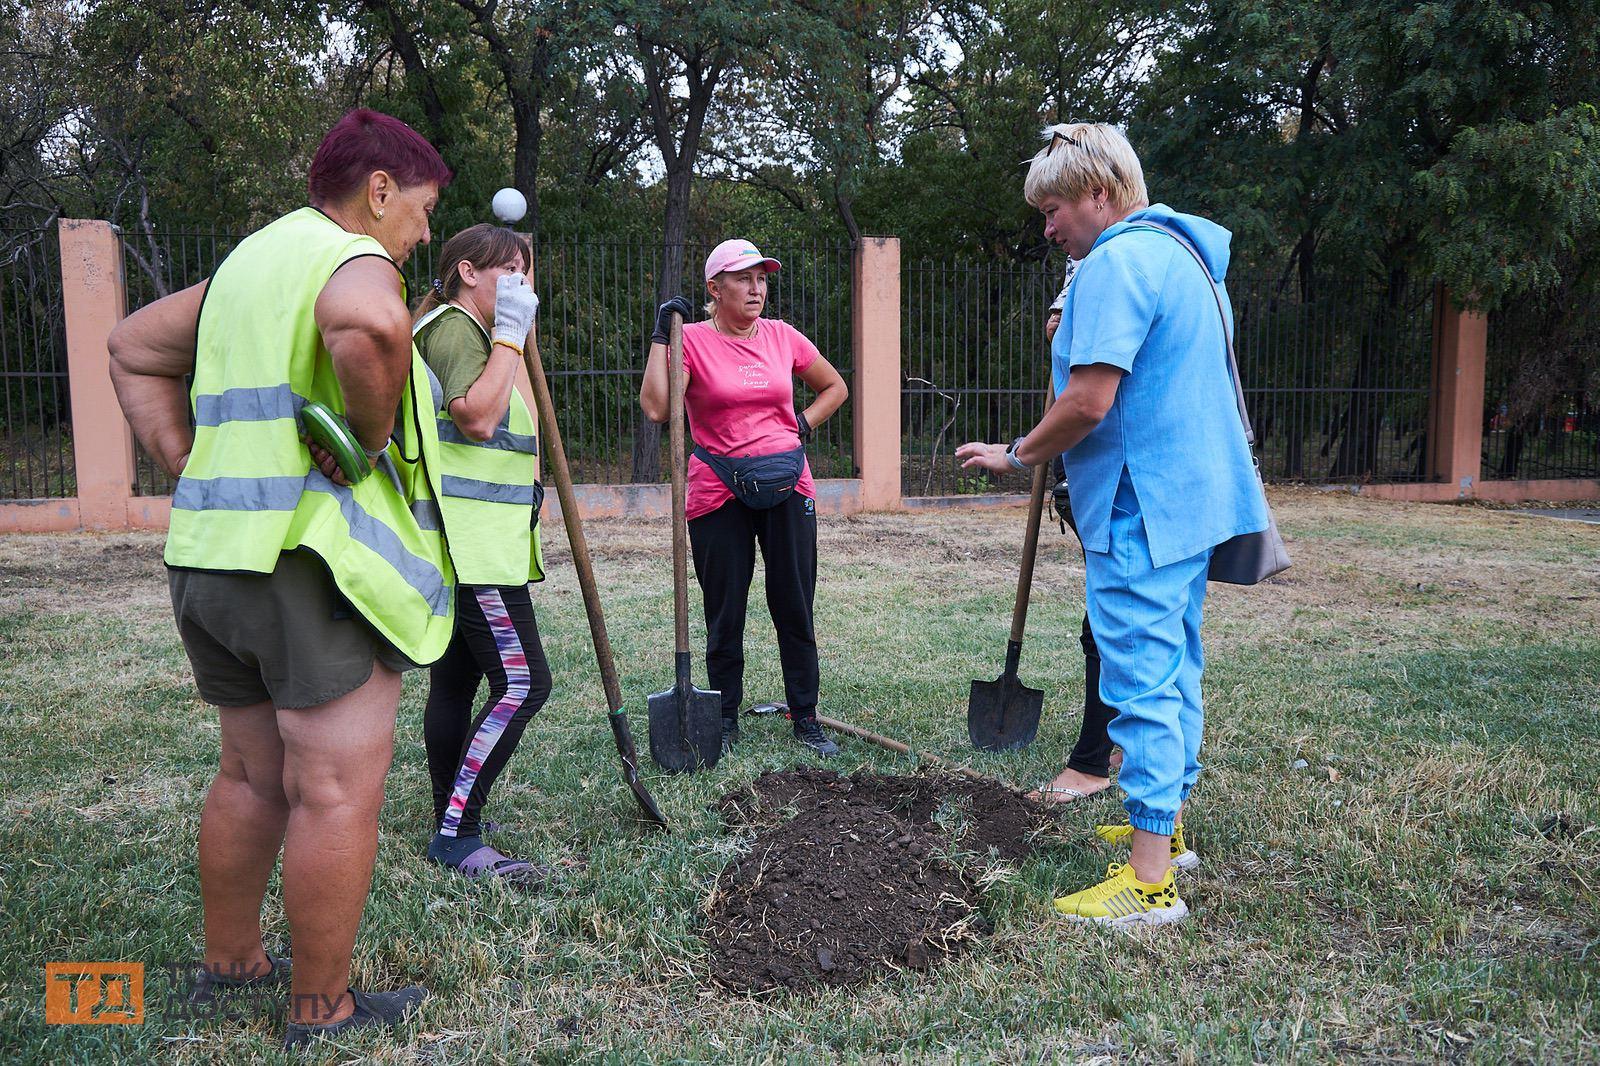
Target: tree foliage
(1454, 141)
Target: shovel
(1003, 714)
(620, 732)
(685, 722)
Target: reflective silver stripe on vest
(426, 512)
(417, 572)
(238, 493)
(247, 405)
(283, 494)
(466, 488)
(503, 440)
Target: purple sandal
(488, 861)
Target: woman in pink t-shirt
(739, 371)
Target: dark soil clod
(849, 878)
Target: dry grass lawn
(1423, 887)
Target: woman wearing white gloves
(471, 330)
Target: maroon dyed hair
(363, 141)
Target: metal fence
(597, 306)
(154, 265)
(1338, 387)
(36, 436)
(1541, 417)
(975, 365)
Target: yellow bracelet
(513, 347)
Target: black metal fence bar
(597, 305)
(36, 436)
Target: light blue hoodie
(1140, 302)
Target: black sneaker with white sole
(730, 734)
(809, 732)
(372, 1009)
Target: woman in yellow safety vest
(470, 331)
(299, 596)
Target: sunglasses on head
(1060, 138)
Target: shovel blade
(1003, 714)
(685, 729)
(623, 735)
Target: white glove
(515, 304)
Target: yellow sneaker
(1123, 899)
(1182, 857)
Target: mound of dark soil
(851, 877)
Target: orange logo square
(94, 993)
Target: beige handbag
(1249, 557)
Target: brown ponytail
(483, 246)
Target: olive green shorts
(287, 637)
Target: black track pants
(1092, 754)
(724, 544)
(468, 746)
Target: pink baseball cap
(737, 255)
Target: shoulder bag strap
(1233, 364)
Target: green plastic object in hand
(330, 433)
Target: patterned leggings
(495, 638)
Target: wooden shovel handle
(1030, 550)
(557, 454)
(680, 528)
(905, 749)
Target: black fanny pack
(759, 482)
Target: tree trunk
(1363, 424)
(847, 215)
(1294, 451)
(404, 42)
(525, 158)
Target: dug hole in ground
(849, 878)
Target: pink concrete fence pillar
(94, 299)
(875, 396)
(1460, 356)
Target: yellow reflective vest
(488, 489)
(249, 491)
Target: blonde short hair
(1082, 157)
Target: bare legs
(241, 831)
(311, 781)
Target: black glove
(664, 318)
(805, 427)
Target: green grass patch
(1423, 887)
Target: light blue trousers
(1146, 622)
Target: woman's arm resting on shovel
(653, 390)
(151, 350)
(1090, 391)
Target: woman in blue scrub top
(1159, 474)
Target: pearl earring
(380, 214)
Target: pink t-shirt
(740, 401)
